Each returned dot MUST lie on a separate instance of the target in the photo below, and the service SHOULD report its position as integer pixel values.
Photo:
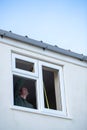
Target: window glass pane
(24, 65)
(52, 96)
(24, 92)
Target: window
(25, 81)
(24, 65)
(38, 85)
(51, 88)
(30, 84)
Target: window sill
(35, 111)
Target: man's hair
(20, 91)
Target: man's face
(25, 91)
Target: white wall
(75, 91)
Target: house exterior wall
(75, 83)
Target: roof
(41, 44)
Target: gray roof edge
(21, 38)
(41, 44)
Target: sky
(56, 22)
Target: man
(20, 98)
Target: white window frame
(37, 75)
(29, 77)
(27, 59)
(60, 71)
(25, 74)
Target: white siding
(75, 83)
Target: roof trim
(41, 44)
